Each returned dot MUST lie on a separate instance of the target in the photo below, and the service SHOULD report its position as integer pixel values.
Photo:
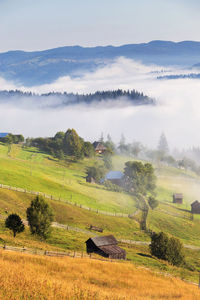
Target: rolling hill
(40, 67)
(65, 181)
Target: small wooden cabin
(178, 198)
(99, 147)
(105, 246)
(195, 207)
(115, 177)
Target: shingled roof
(178, 196)
(105, 246)
(104, 240)
(114, 175)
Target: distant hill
(40, 67)
(181, 76)
(63, 99)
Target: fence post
(74, 254)
(4, 246)
(199, 280)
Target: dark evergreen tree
(14, 223)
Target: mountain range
(40, 67)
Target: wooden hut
(105, 246)
(178, 198)
(195, 207)
(115, 177)
(99, 147)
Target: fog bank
(177, 112)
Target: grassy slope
(68, 214)
(36, 277)
(33, 170)
(48, 176)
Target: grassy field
(36, 277)
(32, 170)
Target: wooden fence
(73, 254)
(107, 213)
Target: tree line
(70, 98)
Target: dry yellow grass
(35, 277)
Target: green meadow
(32, 170)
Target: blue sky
(42, 24)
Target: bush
(14, 223)
(97, 172)
(170, 249)
(112, 187)
(158, 245)
(175, 253)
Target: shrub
(112, 187)
(97, 172)
(159, 244)
(170, 249)
(175, 253)
(14, 223)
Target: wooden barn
(115, 177)
(99, 147)
(178, 198)
(195, 207)
(105, 246)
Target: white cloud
(177, 112)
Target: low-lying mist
(177, 112)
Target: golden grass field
(32, 277)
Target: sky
(36, 25)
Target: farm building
(105, 246)
(90, 179)
(3, 134)
(99, 147)
(178, 198)
(115, 177)
(195, 207)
